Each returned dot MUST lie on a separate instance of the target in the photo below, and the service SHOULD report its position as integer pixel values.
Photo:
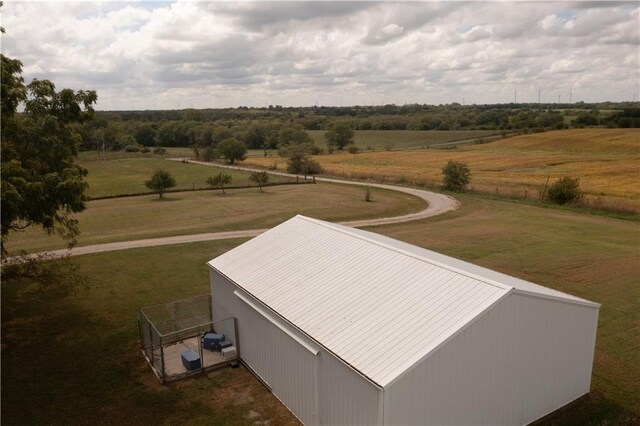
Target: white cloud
(187, 54)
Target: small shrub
(131, 148)
(145, 150)
(353, 149)
(315, 150)
(159, 150)
(456, 176)
(388, 146)
(565, 190)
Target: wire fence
(180, 338)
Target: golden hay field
(605, 160)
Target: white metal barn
(350, 327)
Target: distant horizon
(634, 103)
(182, 54)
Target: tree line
(261, 128)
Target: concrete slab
(173, 362)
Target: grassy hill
(606, 161)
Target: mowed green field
(192, 212)
(81, 364)
(119, 176)
(380, 140)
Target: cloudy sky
(167, 55)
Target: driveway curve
(437, 204)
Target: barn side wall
(524, 358)
(317, 388)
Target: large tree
(232, 150)
(339, 136)
(41, 183)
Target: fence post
(314, 179)
(297, 179)
(164, 375)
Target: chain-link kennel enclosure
(180, 338)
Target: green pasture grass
(132, 218)
(127, 175)
(380, 140)
(76, 360)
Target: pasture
(379, 140)
(127, 175)
(606, 161)
(91, 370)
(192, 212)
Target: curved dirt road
(437, 204)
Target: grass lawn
(131, 218)
(121, 176)
(77, 360)
(379, 140)
(605, 160)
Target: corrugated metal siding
(349, 293)
(523, 359)
(346, 398)
(288, 368)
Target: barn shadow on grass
(593, 409)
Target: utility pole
(539, 91)
(570, 95)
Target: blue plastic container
(190, 360)
(212, 341)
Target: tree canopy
(339, 136)
(41, 183)
(219, 180)
(259, 178)
(232, 150)
(160, 182)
